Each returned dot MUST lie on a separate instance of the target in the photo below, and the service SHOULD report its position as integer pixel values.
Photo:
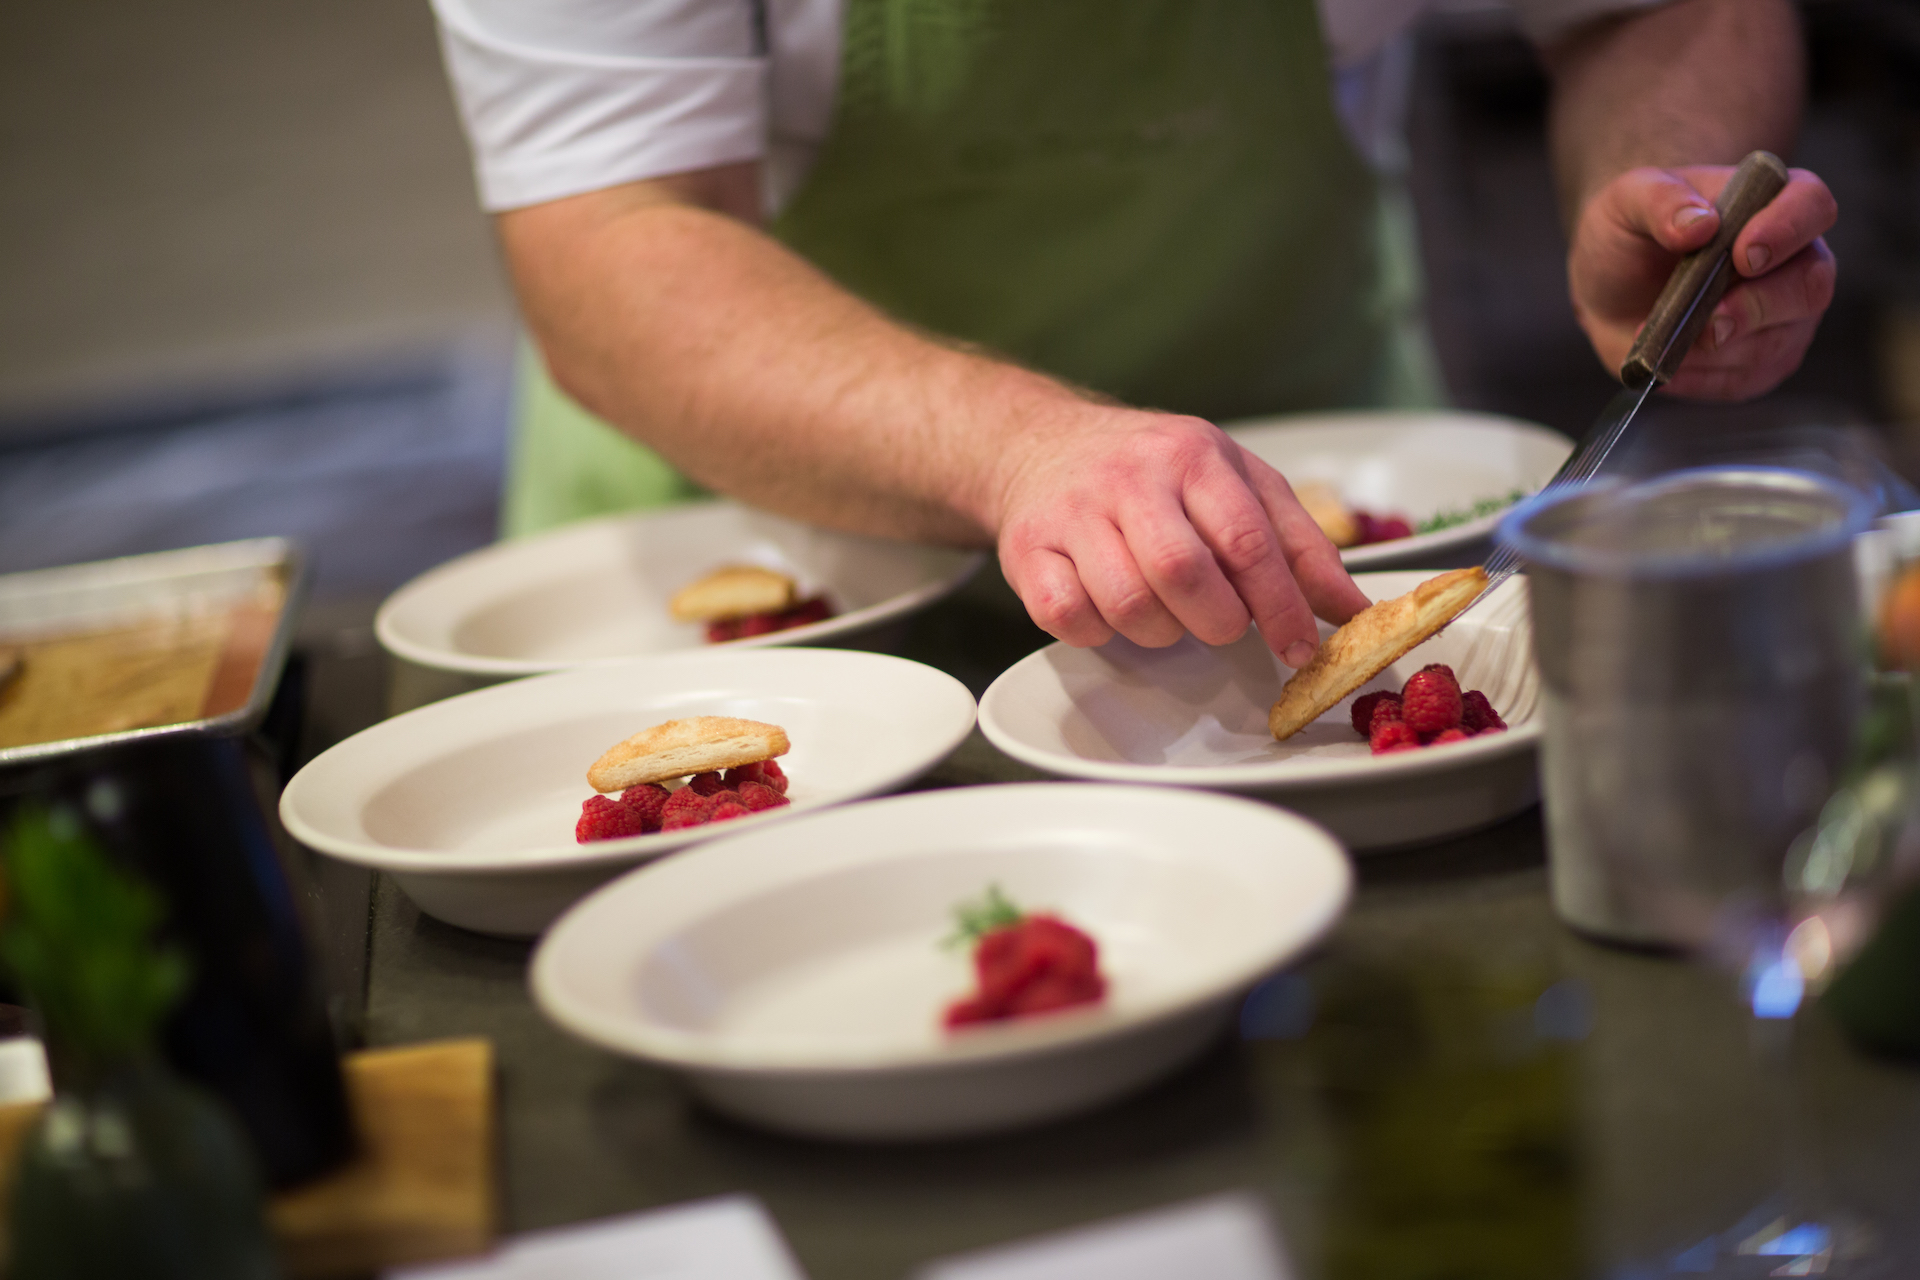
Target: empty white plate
(597, 592)
(1196, 716)
(796, 975)
(470, 803)
(1415, 463)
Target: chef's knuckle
(1181, 566)
(1247, 547)
(1133, 606)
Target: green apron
(1151, 198)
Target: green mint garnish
(1459, 516)
(975, 920)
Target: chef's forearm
(757, 375)
(1691, 82)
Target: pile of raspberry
(1035, 965)
(706, 797)
(812, 609)
(1429, 710)
(1370, 528)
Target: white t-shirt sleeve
(565, 96)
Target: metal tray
(108, 593)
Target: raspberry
(1451, 735)
(604, 818)
(706, 784)
(727, 809)
(1478, 716)
(813, 609)
(1363, 708)
(1386, 711)
(766, 773)
(758, 795)
(1390, 528)
(1444, 668)
(646, 800)
(684, 808)
(1430, 704)
(1393, 735)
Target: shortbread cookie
(1372, 640)
(733, 592)
(698, 744)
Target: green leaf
(78, 934)
(975, 920)
(1461, 515)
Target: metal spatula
(1682, 311)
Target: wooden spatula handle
(1701, 279)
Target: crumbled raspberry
(684, 808)
(706, 784)
(1393, 735)
(604, 818)
(1431, 703)
(727, 808)
(646, 800)
(758, 795)
(1451, 735)
(1477, 714)
(1039, 964)
(1363, 707)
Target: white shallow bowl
(597, 592)
(796, 975)
(470, 803)
(1196, 716)
(1414, 463)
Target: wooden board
(423, 1185)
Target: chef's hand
(1153, 525)
(1633, 230)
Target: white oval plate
(1196, 716)
(470, 803)
(1414, 463)
(796, 975)
(597, 592)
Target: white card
(729, 1238)
(1221, 1238)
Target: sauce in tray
(194, 663)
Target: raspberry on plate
(684, 808)
(706, 784)
(1364, 705)
(1451, 735)
(758, 795)
(727, 807)
(1385, 711)
(1393, 735)
(604, 818)
(1431, 702)
(1478, 716)
(647, 800)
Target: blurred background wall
(244, 287)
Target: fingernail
(1722, 330)
(1688, 216)
(1298, 654)
(1758, 256)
